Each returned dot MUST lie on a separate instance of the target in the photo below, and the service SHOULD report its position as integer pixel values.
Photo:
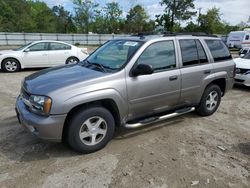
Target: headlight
(40, 104)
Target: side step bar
(160, 118)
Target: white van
(239, 39)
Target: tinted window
(160, 56)
(39, 47)
(247, 37)
(218, 50)
(189, 52)
(201, 53)
(59, 46)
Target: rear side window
(59, 46)
(218, 50)
(192, 52)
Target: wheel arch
(1, 63)
(109, 104)
(221, 82)
(72, 56)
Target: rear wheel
(10, 65)
(72, 60)
(90, 129)
(210, 100)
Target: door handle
(175, 77)
(207, 71)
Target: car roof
(145, 38)
(51, 41)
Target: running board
(160, 118)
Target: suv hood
(242, 63)
(47, 80)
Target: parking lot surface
(204, 151)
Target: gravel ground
(175, 153)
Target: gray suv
(128, 82)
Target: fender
(88, 97)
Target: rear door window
(192, 52)
(59, 46)
(218, 50)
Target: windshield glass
(22, 47)
(114, 54)
(247, 56)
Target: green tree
(43, 17)
(99, 25)
(192, 27)
(84, 13)
(64, 20)
(136, 19)
(113, 14)
(175, 10)
(211, 21)
(10, 14)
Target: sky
(233, 11)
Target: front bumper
(242, 79)
(47, 128)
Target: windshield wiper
(100, 66)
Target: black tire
(72, 60)
(77, 124)
(10, 65)
(206, 106)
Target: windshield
(247, 56)
(114, 54)
(22, 47)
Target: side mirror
(27, 50)
(142, 69)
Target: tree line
(88, 16)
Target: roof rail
(145, 34)
(200, 34)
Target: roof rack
(145, 34)
(198, 34)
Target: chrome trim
(161, 118)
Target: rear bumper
(241, 79)
(48, 128)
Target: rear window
(218, 50)
(247, 37)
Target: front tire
(90, 129)
(10, 65)
(210, 101)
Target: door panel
(148, 94)
(37, 56)
(59, 53)
(195, 70)
(153, 93)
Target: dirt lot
(173, 153)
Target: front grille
(241, 71)
(239, 80)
